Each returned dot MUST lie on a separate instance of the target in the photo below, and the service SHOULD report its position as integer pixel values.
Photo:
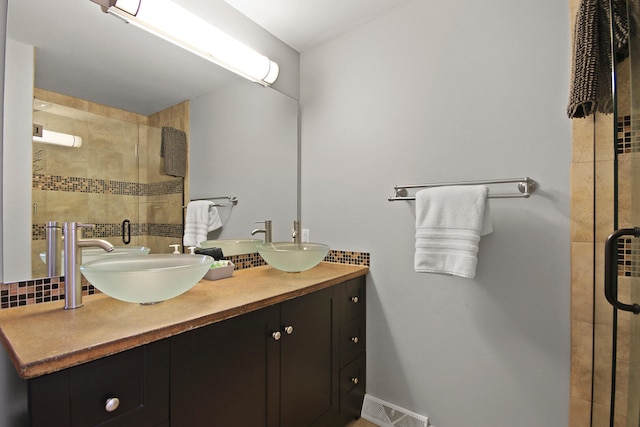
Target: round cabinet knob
(355, 380)
(276, 335)
(354, 300)
(288, 330)
(355, 340)
(112, 404)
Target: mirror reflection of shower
(96, 182)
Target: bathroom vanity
(262, 348)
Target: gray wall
(450, 91)
(243, 143)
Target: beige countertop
(44, 338)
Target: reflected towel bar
(232, 200)
(526, 186)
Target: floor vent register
(385, 414)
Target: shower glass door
(617, 331)
(628, 328)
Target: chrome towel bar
(526, 186)
(231, 200)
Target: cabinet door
(308, 361)
(224, 375)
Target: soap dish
(220, 272)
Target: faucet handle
(81, 225)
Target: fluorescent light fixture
(177, 25)
(56, 138)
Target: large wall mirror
(116, 87)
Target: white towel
(449, 223)
(201, 217)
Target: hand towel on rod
(201, 217)
(173, 148)
(449, 223)
(590, 85)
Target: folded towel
(590, 88)
(201, 217)
(449, 223)
(173, 147)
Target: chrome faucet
(73, 259)
(54, 248)
(266, 230)
(296, 233)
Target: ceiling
(304, 23)
(85, 53)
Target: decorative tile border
(246, 261)
(347, 257)
(164, 230)
(37, 291)
(101, 186)
(101, 231)
(628, 137)
(38, 231)
(629, 258)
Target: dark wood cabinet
(300, 363)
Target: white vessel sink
(292, 257)
(233, 246)
(90, 254)
(146, 279)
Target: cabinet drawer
(78, 396)
(352, 299)
(89, 399)
(352, 340)
(352, 387)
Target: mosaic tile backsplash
(52, 289)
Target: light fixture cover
(56, 138)
(177, 25)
